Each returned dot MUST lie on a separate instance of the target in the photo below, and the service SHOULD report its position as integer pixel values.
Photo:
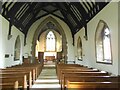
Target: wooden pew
(61, 71)
(89, 79)
(28, 74)
(21, 70)
(81, 74)
(76, 73)
(9, 85)
(70, 67)
(22, 80)
(36, 67)
(67, 65)
(92, 85)
(60, 66)
(30, 70)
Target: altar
(49, 58)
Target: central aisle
(48, 78)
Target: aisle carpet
(47, 79)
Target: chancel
(60, 45)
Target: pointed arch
(17, 49)
(50, 41)
(103, 43)
(60, 30)
(79, 48)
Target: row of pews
(19, 76)
(79, 77)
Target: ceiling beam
(15, 9)
(82, 12)
(63, 19)
(50, 12)
(27, 12)
(74, 17)
(89, 12)
(74, 13)
(91, 8)
(94, 7)
(32, 21)
(4, 8)
(65, 15)
(71, 13)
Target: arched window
(17, 49)
(79, 49)
(103, 43)
(50, 41)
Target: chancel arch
(44, 26)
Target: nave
(48, 78)
(80, 32)
(60, 76)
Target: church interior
(60, 45)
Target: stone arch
(59, 28)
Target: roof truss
(75, 14)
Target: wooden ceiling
(75, 14)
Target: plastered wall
(66, 29)
(110, 15)
(8, 45)
(1, 48)
(119, 37)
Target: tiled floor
(47, 79)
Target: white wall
(42, 41)
(30, 35)
(69, 39)
(110, 15)
(119, 37)
(1, 48)
(8, 45)
(66, 29)
(85, 44)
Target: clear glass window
(103, 43)
(79, 49)
(17, 49)
(50, 41)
